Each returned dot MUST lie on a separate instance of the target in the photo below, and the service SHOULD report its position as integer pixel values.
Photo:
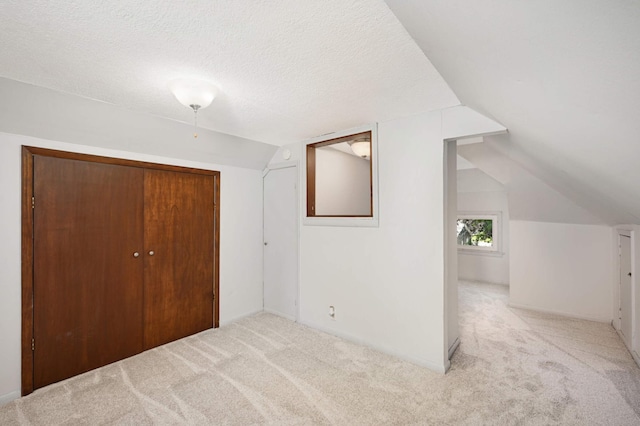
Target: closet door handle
(136, 254)
(151, 253)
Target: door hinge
(33, 202)
(33, 344)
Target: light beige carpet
(513, 367)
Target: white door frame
(633, 339)
(265, 172)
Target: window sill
(365, 222)
(489, 253)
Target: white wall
(479, 193)
(343, 183)
(47, 114)
(562, 268)
(240, 243)
(476, 180)
(530, 197)
(386, 282)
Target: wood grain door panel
(179, 276)
(85, 302)
(87, 284)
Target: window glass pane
(340, 177)
(475, 232)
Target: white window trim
(370, 222)
(496, 249)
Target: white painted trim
(278, 166)
(461, 121)
(420, 362)
(280, 314)
(363, 222)
(561, 313)
(464, 251)
(450, 305)
(627, 231)
(469, 141)
(239, 317)
(370, 222)
(479, 135)
(496, 217)
(635, 306)
(453, 347)
(8, 397)
(625, 343)
(624, 231)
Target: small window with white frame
(479, 232)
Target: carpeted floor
(513, 367)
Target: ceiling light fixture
(195, 94)
(361, 147)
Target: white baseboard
(636, 357)
(633, 353)
(454, 346)
(623, 341)
(8, 397)
(239, 317)
(420, 362)
(280, 314)
(554, 312)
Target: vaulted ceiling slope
(529, 197)
(287, 70)
(48, 114)
(562, 76)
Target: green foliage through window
(475, 232)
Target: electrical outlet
(332, 312)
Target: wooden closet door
(178, 269)
(87, 281)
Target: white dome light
(361, 147)
(192, 93)
(195, 94)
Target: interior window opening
(340, 177)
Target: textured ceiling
(287, 70)
(562, 76)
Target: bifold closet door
(178, 262)
(88, 266)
